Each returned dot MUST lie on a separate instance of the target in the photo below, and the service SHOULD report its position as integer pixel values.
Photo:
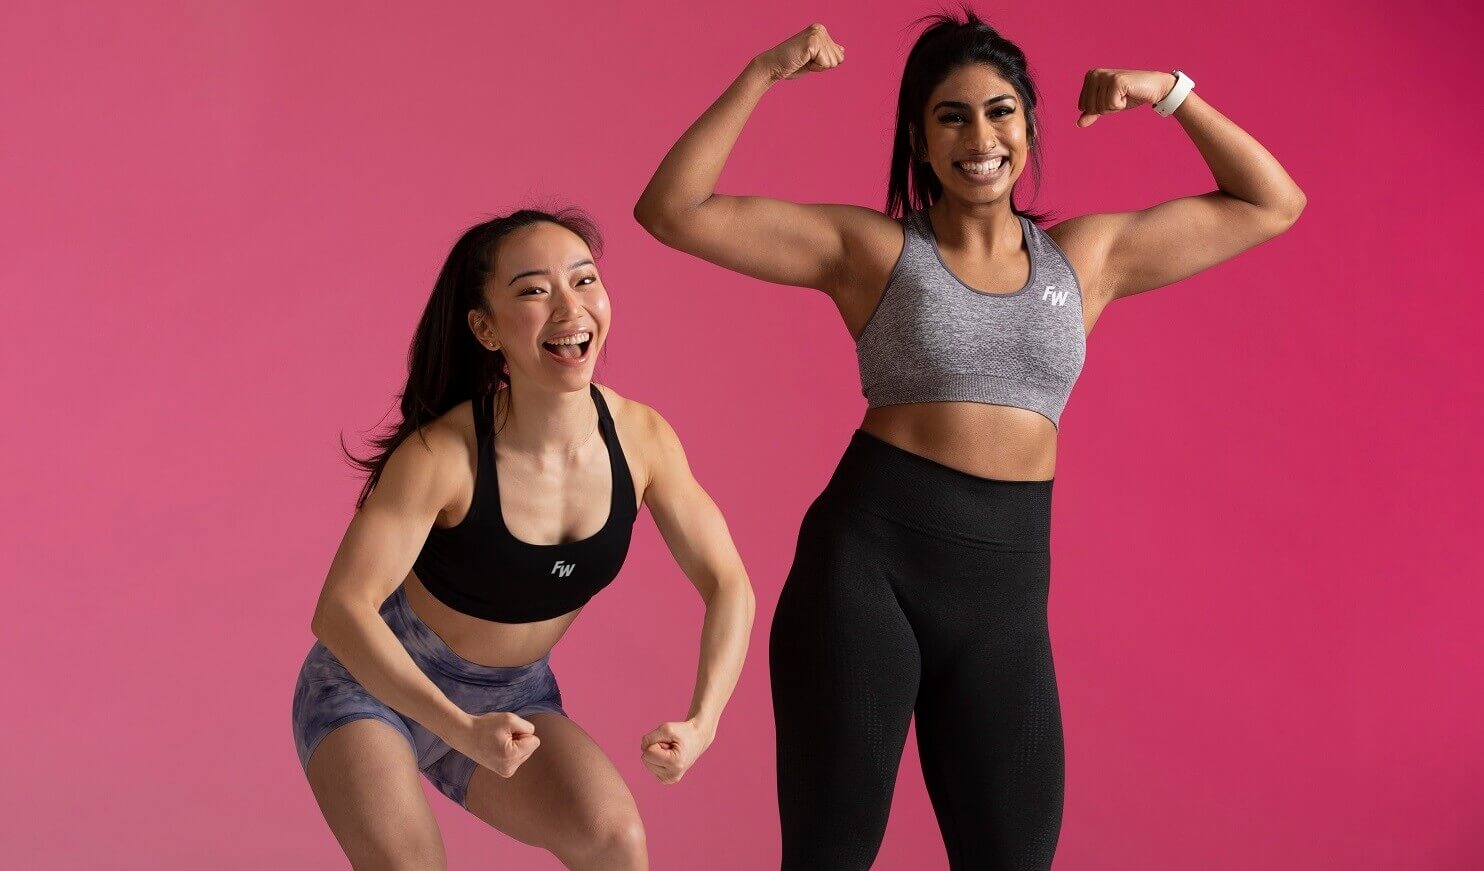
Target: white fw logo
(562, 569)
(1057, 297)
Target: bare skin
(848, 252)
(542, 781)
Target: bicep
(1174, 240)
(386, 534)
(803, 245)
(689, 521)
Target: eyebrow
(528, 272)
(956, 104)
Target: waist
(475, 641)
(881, 479)
(988, 441)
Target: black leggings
(917, 588)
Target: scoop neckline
(612, 486)
(1025, 241)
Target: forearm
(366, 646)
(724, 637)
(1242, 167)
(687, 176)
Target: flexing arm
(697, 535)
(773, 240)
(1132, 252)
(374, 558)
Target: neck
(543, 422)
(976, 227)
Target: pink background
(221, 221)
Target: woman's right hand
(808, 51)
(498, 741)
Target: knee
(617, 841)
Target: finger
(521, 726)
(661, 751)
(1120, 95)
(1086, 120)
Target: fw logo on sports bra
(562, 569)
(1057, 297)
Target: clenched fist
(669, 751)
(808, 51)
(499, 742)
(1107, 91)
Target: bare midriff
(485, 642)
(990, 441)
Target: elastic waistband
(431, 652)
(879, 478)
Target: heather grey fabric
(933, 338)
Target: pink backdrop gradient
(222, 220)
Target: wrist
(1171, 81)
(705, 724)
(1175, 97)
(760, 72)
(454, 727)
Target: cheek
(519, 326)
(598, 307)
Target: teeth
(984, 167)
(571, 340)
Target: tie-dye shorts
(327, 697)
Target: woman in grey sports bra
(919, 584)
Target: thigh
(567, 798)
(990, 738)
(844, 667)
(365, 778)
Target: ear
(483, 330)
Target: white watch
(1183, 86)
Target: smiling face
(975, 134)
(545, 308)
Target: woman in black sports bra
(502, 502)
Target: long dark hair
(446, 364)
(947, 44)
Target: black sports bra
(479, 568)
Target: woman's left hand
(670, 750)
(1105, 91)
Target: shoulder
(438, 456)
(649, 442)
(639, 425)
(1086, 241)
(868, 234)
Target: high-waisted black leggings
(918, 589)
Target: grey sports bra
(933, 338)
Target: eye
(1001, 112)
(586, 279)
(950, 118)
(530, 290)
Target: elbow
(1276, 219)
(733, 592)
(319, 623)
(1294, 207)
(654, 218)
(1287, 213)
(328, 616)
(749, 600)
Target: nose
(981, 136)
(566, 303)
